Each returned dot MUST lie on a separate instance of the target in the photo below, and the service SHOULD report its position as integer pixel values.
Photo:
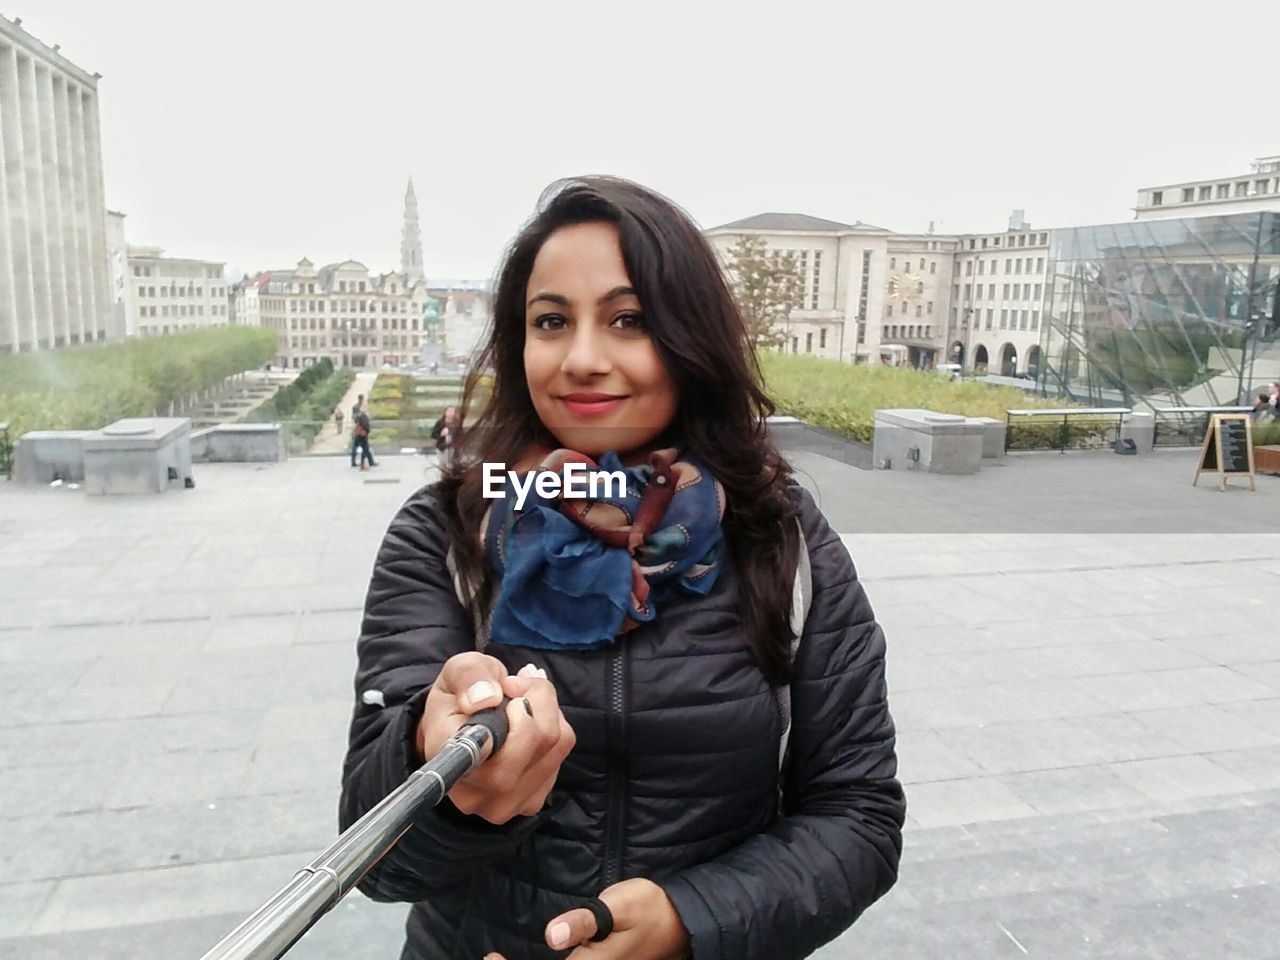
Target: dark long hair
(702, 340)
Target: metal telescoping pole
(278, 924)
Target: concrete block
(913, 439)
(43, 456)
(238, 443)
(146, 455)
(1141, 429)
(992, 436)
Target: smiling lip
(592, 404)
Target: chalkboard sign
(1227, 449)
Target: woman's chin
(594, 441)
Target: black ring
(604, 918)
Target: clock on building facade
(904, 286)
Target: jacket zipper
(617, 760)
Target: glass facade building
(1162, 312)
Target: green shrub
(1266, 434)
(844, 397)
(83, 388)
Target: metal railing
(1186, 426)
(1069, 428)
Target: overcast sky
(261, 132)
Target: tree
(767, 285)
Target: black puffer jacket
(674, 776)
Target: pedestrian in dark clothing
(724, 793)
(445, 430)
(360, 428)
(355, 437)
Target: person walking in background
(360, 430)
(355, 412)
(337, 417)
(445, 430)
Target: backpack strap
(801, 601)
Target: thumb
(570, 929)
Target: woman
(643, 658)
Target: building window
(1242, 188)
(1037, 292)
(1008, 265)
(984, 243)
(893, 263)
(1039, 264)
(1206, 193)
(1188, 194)
(808, 343)
(822, 338)
(981, 265)
(991, 316)
(1005, 295)
(1004, 319)
(1035, 319)
(1157, 198)
(922, 264)
(1224, 191)
(1261, 186)
(1022, 240)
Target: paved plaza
(1084, 666)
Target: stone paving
(1084, 668)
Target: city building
(996, 301)
(868, 294)
(463, 317)
(1259, 189)
(339, 311)
(55, 285)
(171, 294)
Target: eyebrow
(563, 301)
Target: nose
(588, 354)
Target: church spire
(411, 240)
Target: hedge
(844, 397)
(87, 387)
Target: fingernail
(528, 670)
(559, 934)
(541, 673)
(480, 691)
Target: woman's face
(595, 377)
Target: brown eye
(549, 321)
(629, 321)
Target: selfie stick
(316, 888)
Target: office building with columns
(997, 299)
(868, 295)
(55, 287)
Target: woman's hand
(518, 778)
(645, 927)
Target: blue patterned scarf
(577, 573)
